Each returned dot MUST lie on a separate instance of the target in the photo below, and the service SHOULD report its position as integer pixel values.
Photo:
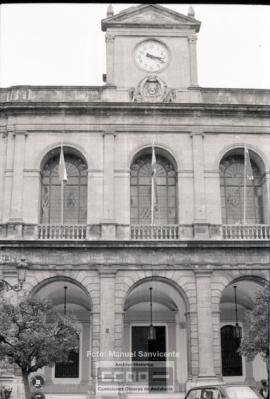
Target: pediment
(150, 15)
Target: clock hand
(155, 57)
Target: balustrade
(152, 232)
(62, 232)
(246, 232)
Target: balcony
(172, 232)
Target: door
(149, 358)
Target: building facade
(207, 233)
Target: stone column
(16, 214)
(192, 39)
(108, 222)
(205, 326)
(200, 222)
(110, 38)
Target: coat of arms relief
(152, 89)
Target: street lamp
(152, 330)
(21, 269)
(237, 329)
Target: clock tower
(150, 43)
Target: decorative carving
(152, 89)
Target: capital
(196, 133)
(109, 38)
(192, 39)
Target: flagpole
(152, 190)
(152, 202)
(245, 182)
(62, 181)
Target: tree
(255, 340)
(34, 335)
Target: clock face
(151, 56)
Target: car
(223, 391)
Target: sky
(62, 44)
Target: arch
(74, 190)
(165, 210)
(254, 278)
(78, 300)
(75, 149)
(255, 153)
(165, 280)
(61, 278)
(234, 303)
(159, 149)
(237, 276)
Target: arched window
(232, 191)
(75, 190)
(141, 185)
(231, 359)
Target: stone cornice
(125, 244)
(106, 108)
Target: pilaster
(107, 312)
(110, 39)
(266, 198)
(17, 181)
(3, 147)
(200, 223)
(205, 326)
(108, 229)
(192, 40)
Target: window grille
(70, 368)
(141, 186)
(75, 191)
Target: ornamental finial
(110, 11)
(191, 12)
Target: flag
(62, 167)
(248, 167)
(154, 182)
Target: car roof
(222, 384)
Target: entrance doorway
(150, 355)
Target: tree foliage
(255, 340)
(34, 335)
